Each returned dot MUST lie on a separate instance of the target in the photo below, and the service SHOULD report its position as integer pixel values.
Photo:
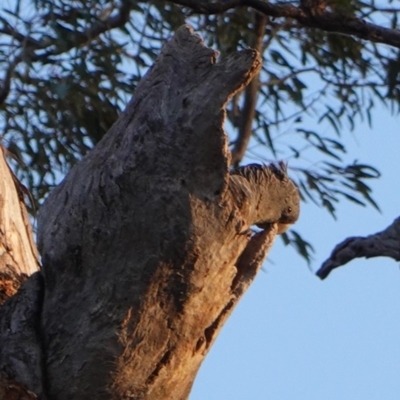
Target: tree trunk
(145, 245)
(20, 350)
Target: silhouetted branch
(327, 20)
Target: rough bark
(145, 246)
(20, 350)
(140, 242)
(21, 355)
(381, 244)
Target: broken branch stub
(140, 241)
(381, 244)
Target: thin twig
(250, 97)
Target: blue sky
(293, 336)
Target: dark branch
(250, 98)
(7, 29)
(29, 45)
(385, 244)
(6, 84)
(97, 29)
(327, 21)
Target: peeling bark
(18, 254)
(381, 244)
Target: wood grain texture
(18, 254)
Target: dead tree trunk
(145, 246)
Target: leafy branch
(328, 21)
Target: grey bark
(145, 247)
(381, 244)
(139, 242)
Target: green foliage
(73, 66)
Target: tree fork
(145, 248)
